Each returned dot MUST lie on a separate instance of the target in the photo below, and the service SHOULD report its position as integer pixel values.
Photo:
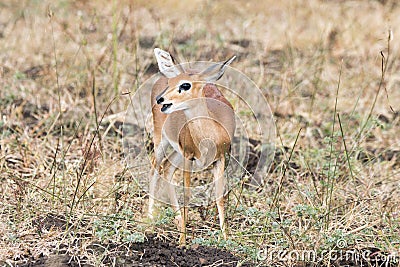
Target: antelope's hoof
(182, 239)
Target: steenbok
(191, 115)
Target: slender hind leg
(170, 166)
(219, 181)
(186, 199)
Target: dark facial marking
(159, 98)
(165, 107)
(184, 87)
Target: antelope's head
(184, 86)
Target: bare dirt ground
(329, 70)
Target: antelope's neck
(198, 110)
(199, 120)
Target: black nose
(160, 100)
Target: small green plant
(117, 230)
(165, 217)
(19, 75)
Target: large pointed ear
(215, 72)
(166, 63)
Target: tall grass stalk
(50, 14)
(331, 177)
(115, 47)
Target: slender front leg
(219, 181)
(154, 178)
(186, 199)
(159, 152)
(159, 156)
(169, 167)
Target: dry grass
(65, 187)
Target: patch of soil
(245, 43)
(35, 72)
(158, 252)
(49, 221)
(155, 252)
(379, 155)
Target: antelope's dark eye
(184, 87)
